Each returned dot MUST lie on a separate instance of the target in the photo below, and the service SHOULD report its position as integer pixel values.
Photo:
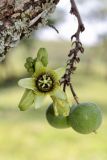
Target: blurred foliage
(13, 67)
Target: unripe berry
(85, 117)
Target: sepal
(27, 100)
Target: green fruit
(56, 121)
(85, 117)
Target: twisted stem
(73, 55)
(74, 10)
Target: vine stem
(74, 10)
(74, 52)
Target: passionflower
(44, 81)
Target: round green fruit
(56, 121)
(85, 117)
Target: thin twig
(74, 94)
(53, 27)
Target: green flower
(43, 82)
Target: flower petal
(58, 93)
(27, 83)
(60, 72)
(27, 100)
(39, 101)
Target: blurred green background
(27, 135)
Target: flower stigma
(45, 82)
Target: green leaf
(27, 100)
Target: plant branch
(73, 55)
(19, 18)
(81, 28)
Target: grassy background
(27, 135)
